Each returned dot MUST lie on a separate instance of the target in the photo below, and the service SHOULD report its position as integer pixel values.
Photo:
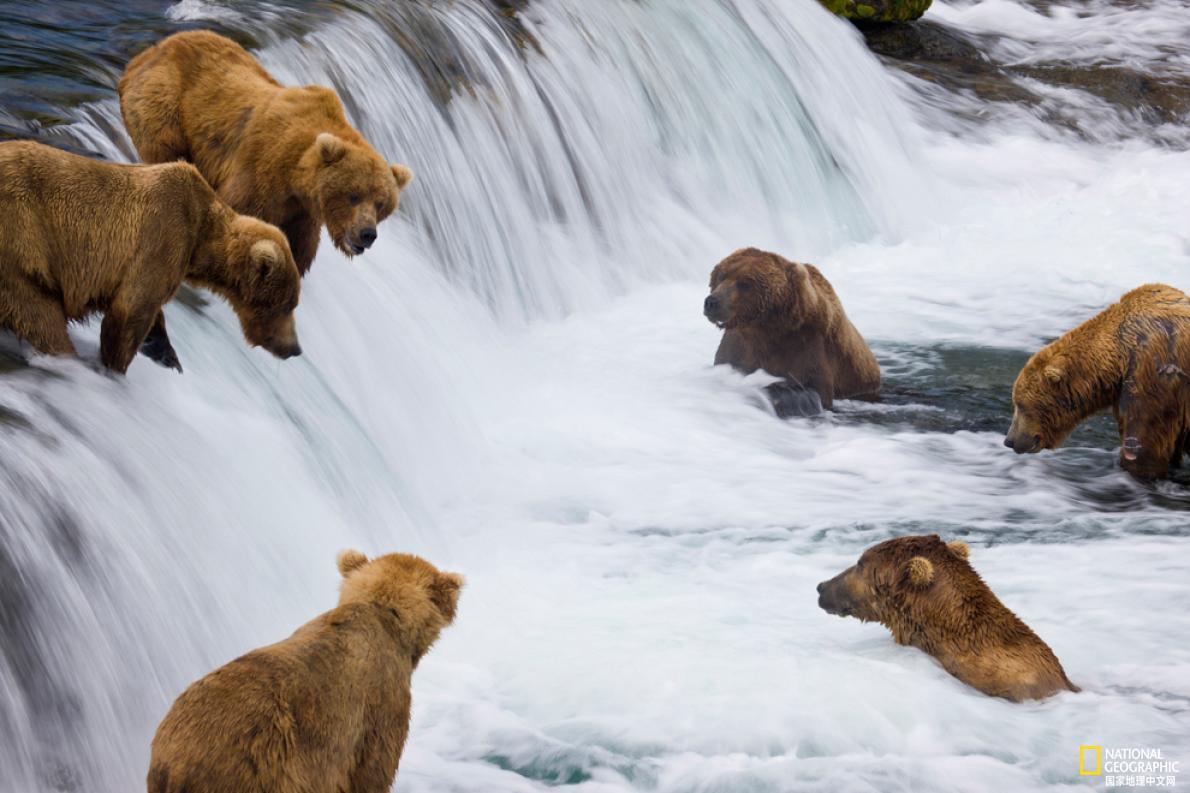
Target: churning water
(515, 382)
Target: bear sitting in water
(324, 711)
(1133, 357)
(785, 318)
(926, 592)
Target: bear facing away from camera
(785, 318)
(927, 593)
(324, 711)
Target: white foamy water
(1150, 36)
(516, 382)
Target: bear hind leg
(123, 331)
(35, 316)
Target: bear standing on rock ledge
(1133, 357)
(926, 592)
(284, 155)
(785, 318)
(81, 236)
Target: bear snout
(827, 600)
(1023, 444)
(367, 237)
(714, 310)
(286, 350)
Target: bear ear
(349, 561)
(921, 572)
(402, 174)
(444, 594)
(1055, 370)
(959, 549)
(265, 252)
(264, 255)
(330, 148)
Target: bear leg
(34, 316)
(157, 346)
(303, 234)
(122, 333)
(1149, 438)
(376, 763)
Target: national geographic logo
(1131, 766)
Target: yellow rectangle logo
(1086, 769)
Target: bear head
(751, 287)
(1045, 400)
(423, 599)
(353, 189)
(265, 285)
(902, 583)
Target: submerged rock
(878, 10)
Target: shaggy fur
(324, 711)
(926, 592)
(785, 318)
(1133, 357)
(81, 236)
(284, 155)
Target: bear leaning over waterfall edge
(283, 154)
(785, 318)
(927, 593)
(1133, 357)
(323, 711)
(80, 236)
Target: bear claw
(161, 353)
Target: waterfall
(515, 382)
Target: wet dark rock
(940, 55)
(924, 41)
(59, 55)
(959, 62)
(1157, 100)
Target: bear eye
(744, 286)
(379, 206)
(353, 198)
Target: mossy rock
(874, 11)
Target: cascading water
(515, 382)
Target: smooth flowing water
(515, 382)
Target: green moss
(871, 11)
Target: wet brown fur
(324, 711)
(80, 237)
(926, 592)
(1133, 357)
(285, 155)
(785, 318)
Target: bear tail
(350, 560)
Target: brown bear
(785, 318)
(324, 711)
(1133, 357)
(284, 155)
(82, 236)
(926, 592)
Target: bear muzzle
(361, 240)
(1022, 443)
(714, 309)
(833, 597)
(285, 350)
